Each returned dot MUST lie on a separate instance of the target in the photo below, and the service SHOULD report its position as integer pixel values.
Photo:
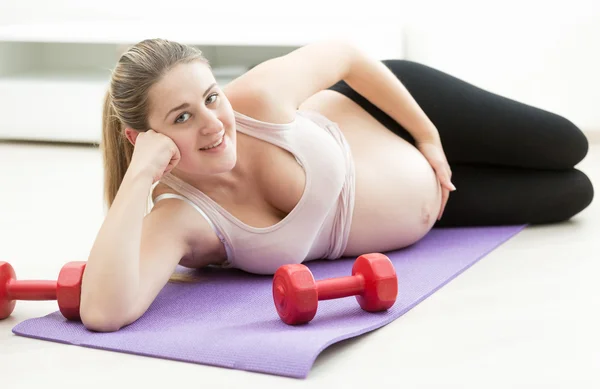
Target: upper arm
(289, 80)
(170, 232)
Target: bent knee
(577, 195)
(572, 141)
(583, 191)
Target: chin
(224, 166)
(200, 166)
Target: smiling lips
(215, 143)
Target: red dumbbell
(296, 293)
(67, 290)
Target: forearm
(374, 81)
(111, 278)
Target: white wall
(16, 11)
(544, 53)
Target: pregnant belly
(398, 196)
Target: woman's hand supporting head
(154, 154)
(134, 253)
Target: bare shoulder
(247, 97)
(183, 222)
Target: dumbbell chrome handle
(334, 288)
(31, 290)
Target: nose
(211, 126)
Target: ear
(131, 135)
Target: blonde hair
(126, 105)
(126, 101)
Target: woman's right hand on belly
(434, 154)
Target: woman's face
(189, 107)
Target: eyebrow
(185, 105)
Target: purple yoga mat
(228, 319)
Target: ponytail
(116, 151)
(126, 101)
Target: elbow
(100, 312)
(94, 320)
(95, 316)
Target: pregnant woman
(318, 154)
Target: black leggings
(511, 163)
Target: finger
(443, 208)
(176, 153)
(445, 202)
(447, 171)
(170, 167)
(446, 182)
(172, 163)
(445, 196)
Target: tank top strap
(278, 134)
(207, 209)
(271, 132)
(186, 189)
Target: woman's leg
(496, 195)
(479, 127)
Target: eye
(181, 116)
(215, 95)
(179, 119)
